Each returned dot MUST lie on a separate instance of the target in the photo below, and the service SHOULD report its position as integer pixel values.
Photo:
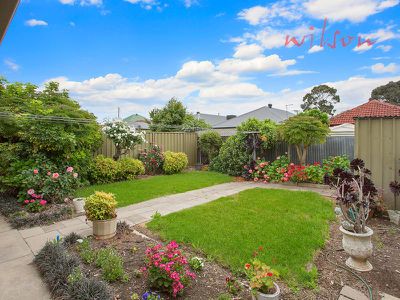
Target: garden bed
(19, 218)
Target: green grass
(135, 191)
(289, 225)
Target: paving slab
(25, 233)
(12, 246)
(74, 228)
(52, 227)
(388, 297)
(4, 226)
(37, 242)
(353, 294)
(20, 280)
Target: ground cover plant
(130, 192)
(291, 226)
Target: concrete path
(19, 278)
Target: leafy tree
(389, 92)
(322, 97)
(43, 126)
(316, 113)
(303, 131)
(210, 142)
(174, 117)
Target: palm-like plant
(395, 189)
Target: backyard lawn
(135, 191)
(289, 225)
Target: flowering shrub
(315, 173)
(44, 184)
(153, 160)
(261, 277)
(334, 162)
(100, 206)
(123, 136)
(277, 171)
(297, 173)
(168, 268)
(36, 202)
(196, 263)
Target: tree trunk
(299, 153)
(303, 156)
(118, 152)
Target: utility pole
(119, 111)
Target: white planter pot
(79, 204)
(394, 216)
(261, 296)
(359, 247)
(104, 229)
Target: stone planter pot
(394, 216)
(359, 247)
(104, 229)
(261, 296)
(79, 204)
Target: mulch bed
(210, 283)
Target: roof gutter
(7, 10)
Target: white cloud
(381, 35)
(234, 90)
(315, 49)
(11, 64)
(82, 2)
(352, 10)
(384, 48)
(190, 3)
(245, 51)
(68, 2)
(34, 22)
(271, 63)
(381, 68)
(285, 10)
(72, 24)
(363, 48)
(195, 70)
(146, 4)
(292, 73)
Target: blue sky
(224, 57)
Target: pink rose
(70, 169)
(31, 191)
(75, 175)
(32, 201)
(56, 175)
(43, 202)
(35, 171)
(48, 173)
(26, 201)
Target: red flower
(269, 274)
(35, 171)
(247, 266)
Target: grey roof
(262, 113)
(211, 119)
(140, 125)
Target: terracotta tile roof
(373, 108)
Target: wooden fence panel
(185, 142)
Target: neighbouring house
(138, 122)
(212, 120)
(7, 10)
(373, 108)
(228, 127)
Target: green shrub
(129, 168)
(86, 252)
(210, 142)
(267, 131)
(104, 170)
(315, 173)
(174, 162)
(111, 265)
(100, 206)
(153, 160)
(232, 157)
(334, 162)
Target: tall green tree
(323, 98)
(174, 117)
(316, 113)
(302, 132)
(389, 92)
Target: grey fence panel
(334, 146)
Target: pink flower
(48, 173)
(70, 169)
(250, 171)
(75, 175)
(32, 201)
(143, 269)
(31, 191)
(256, 179)
(35, 171)
(26, 201)
(42, 202)
(56, 175)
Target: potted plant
(79, 205)
(262, 281)
(394, 215)
(355, 192)
(100, 208)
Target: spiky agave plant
(355, 192)
(395, 189)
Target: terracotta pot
(359, 247)
(104, 229)
(274, 296)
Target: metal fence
(185, 142)
(334, 146)
(378, 144)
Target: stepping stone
(388, 297)
(350, 293)
(12, 246)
